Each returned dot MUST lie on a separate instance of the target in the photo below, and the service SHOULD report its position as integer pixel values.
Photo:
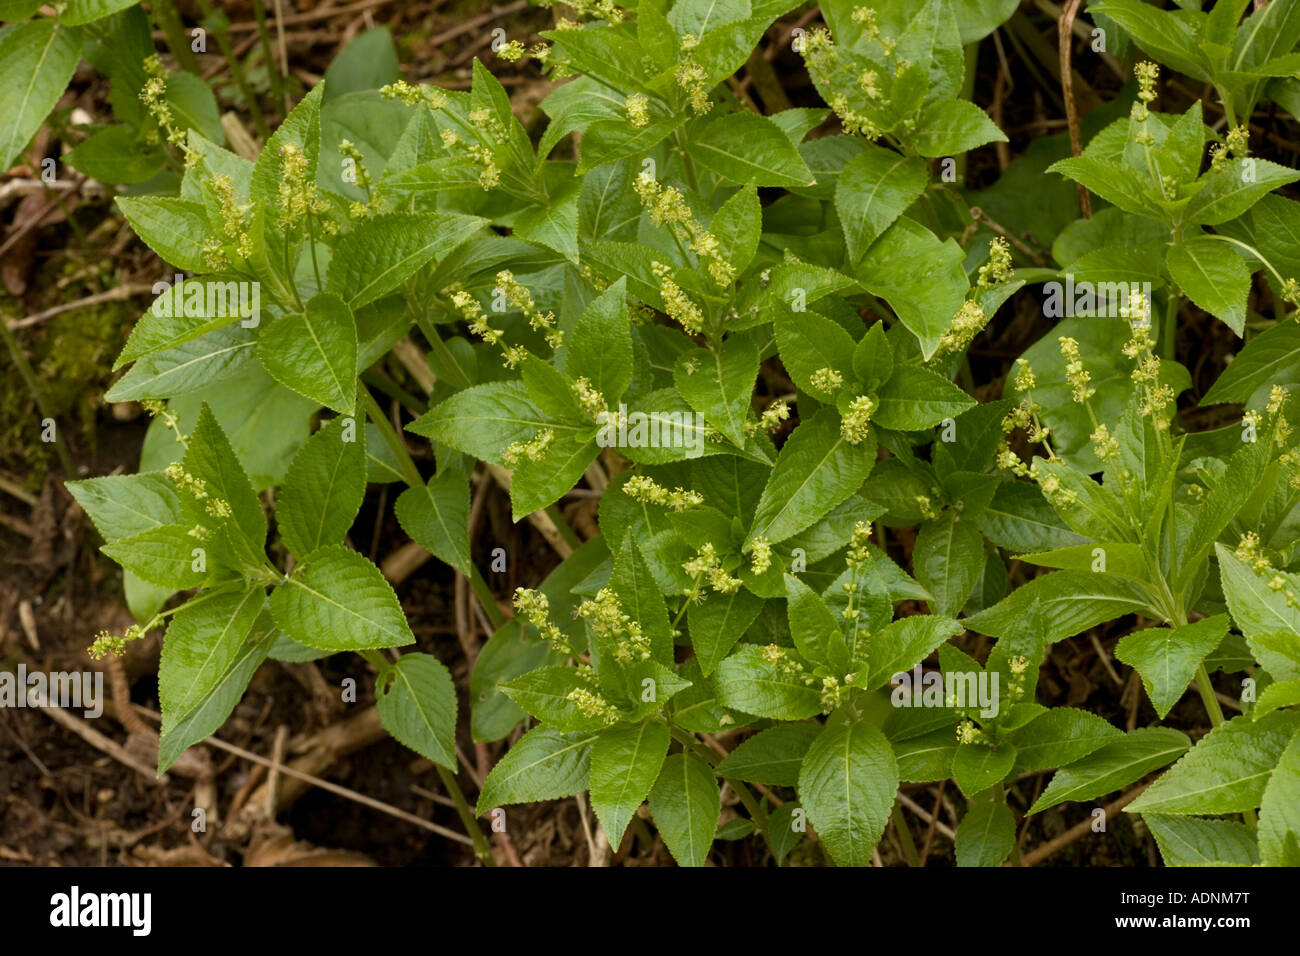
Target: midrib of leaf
(27, 93)
(789, 501)
(198, 358)
(401, 674)
(1065, 794)
(325, 510)
(338, 382)
(623, 790)
(343, 607)
(216, 642)
(554, 754)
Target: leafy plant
(749, 343)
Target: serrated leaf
(416, 700)
(625, 763)
(1279, 810)
(314, 352)
(1213, 276)
(686, 805)
(847, 784)
(436, 516)
(37, 59)
(380, 253)
(751, 681)
(1167, 657)
(323, 488)
(745, 147)
(986, 833)
(947, 561)
(545, 764)
(914, 398)
(336, 600)
(872, 191)
(1059, 737)
(1227, 770)
(816, 470)
(772, 757)
(1187, 841)
(1113, 766)
(717, 623)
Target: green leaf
(380, 253)
(920, 276)
(978, 766)
(599, 348)
(816, 470)
(751, 681)
(1167, 657)
(186, 311)
(1279, 810)
(37, 59)
(902, 644)
(483, 420)
(368, 62)
(167, 555)
(315, 352)
(124, 505)
(187, 367)
(814, 628)
(1113, 766)
(717, 622)
(300, 128)
(323, 488)
(202, 641)
(1059, 605)
(872, 191)
(1214, 277)
(772, 757)
(1230, 189)
(115, 154)
(1112, 181)
(987, 832)
(1227, 770)
(719, 384)
(553, 225)
(641, 599)
(809, 342)
(78, 12)
(1059, 737)
(745, 147)
(1269, 357)
(686, 805)
(336, 600)
(181, 730)
(1256, 608)
(1169, 38)
(436, 517)
(211, 460)
(737, 225)
(416, 700)
(1187, 841)
(173, 228)
(947, 560)
(625, 763)
(954, 126)
(847, 784)
(545, 764)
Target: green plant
(743, 577)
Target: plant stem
(1206, 690)
(272, 69)
(165, 15)
(905, 836)
(29, 378)
(481, 848)
(1170, 331)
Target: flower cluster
(855, 426)
(760, 558)
(592, 402)
(771, 418)
(677, 303)
(469, 307)
(535, 608)
(694, 82)
(666, 206)
(608, 621)
(1080, 381)
(638, 114)
(706, 564)
(827, 380)
(106, 643)
(592, 704)
(234, 231)
(522, 299)
(966, 324)
(998, 267)
(647, 491)
(154, 96)
(298, 196)
(532, 450)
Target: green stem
(1170, 331)
(1206, 690)
(165, 15)
(481, 848)
(272, 69)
